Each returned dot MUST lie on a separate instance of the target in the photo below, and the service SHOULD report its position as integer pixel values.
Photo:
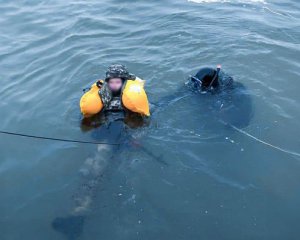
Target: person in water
(111, 91)
(220, 99)
(232, 104)
(109, 108)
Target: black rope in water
(57, 139)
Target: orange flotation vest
(133, 96)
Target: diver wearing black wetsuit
(114, 118)
(219, 96)
(232, 103)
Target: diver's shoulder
(229, 83)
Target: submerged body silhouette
(116, 127)
(110, 126)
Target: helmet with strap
(117, 71)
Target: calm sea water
(186, 178)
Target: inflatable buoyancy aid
(133, 97)
(90, 102)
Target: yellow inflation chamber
(134, 98)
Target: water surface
(210, 181)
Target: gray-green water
(213, 182)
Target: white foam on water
(229, 1)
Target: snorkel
(215, 77)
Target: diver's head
(116, 75)
(117, 71)
(206, 79)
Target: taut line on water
(58, 139)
